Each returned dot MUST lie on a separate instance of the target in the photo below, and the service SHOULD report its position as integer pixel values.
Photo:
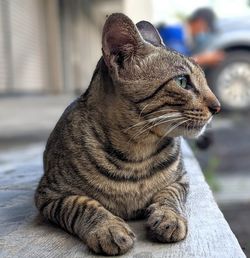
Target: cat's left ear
(150, 33)
(121, 40)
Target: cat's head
(167, 90)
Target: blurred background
(49, 49)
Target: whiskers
(151, 120)
(175, 126)
(148, 127)
(173, 119)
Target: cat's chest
(129, 198)
(128, 204)
(126, 185)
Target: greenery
(210, 173)
(210, 168)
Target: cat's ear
(120, 39)
(150, 33)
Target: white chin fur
(194, 133)
(190, 133)
(199, 133)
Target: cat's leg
(90, 221)
(166, 214)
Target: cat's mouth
(195, 128)
(187, 128)
(180, 126)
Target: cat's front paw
(113, 237)
(165, 225)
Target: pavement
(227, 162)
(29, 119)
(231, 152)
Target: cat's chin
(190, 132)
(194, 133)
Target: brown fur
(115, 154)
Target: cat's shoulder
(75, 107)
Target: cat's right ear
(120, 39)
(150, 33)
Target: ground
(29, 120)
(237, 216)
(228, 161)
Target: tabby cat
(115, 152)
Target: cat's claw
(111, 238)
(165, 225)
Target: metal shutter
(3, 50)
(28, 45)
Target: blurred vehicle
(230, 79)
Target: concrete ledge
(24, 234)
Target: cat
(115, 152)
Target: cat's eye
(182, 81)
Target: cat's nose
(214, 108)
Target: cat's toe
(111, 239)
(167, 226)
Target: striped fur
(115, 152)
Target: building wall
(52, 46)
(28, 45)
(138, 10)
(3, 68)
(82, 23)
(23, 53)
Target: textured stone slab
(24, 234)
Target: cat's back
(67, 127)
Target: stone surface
(23, 233)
